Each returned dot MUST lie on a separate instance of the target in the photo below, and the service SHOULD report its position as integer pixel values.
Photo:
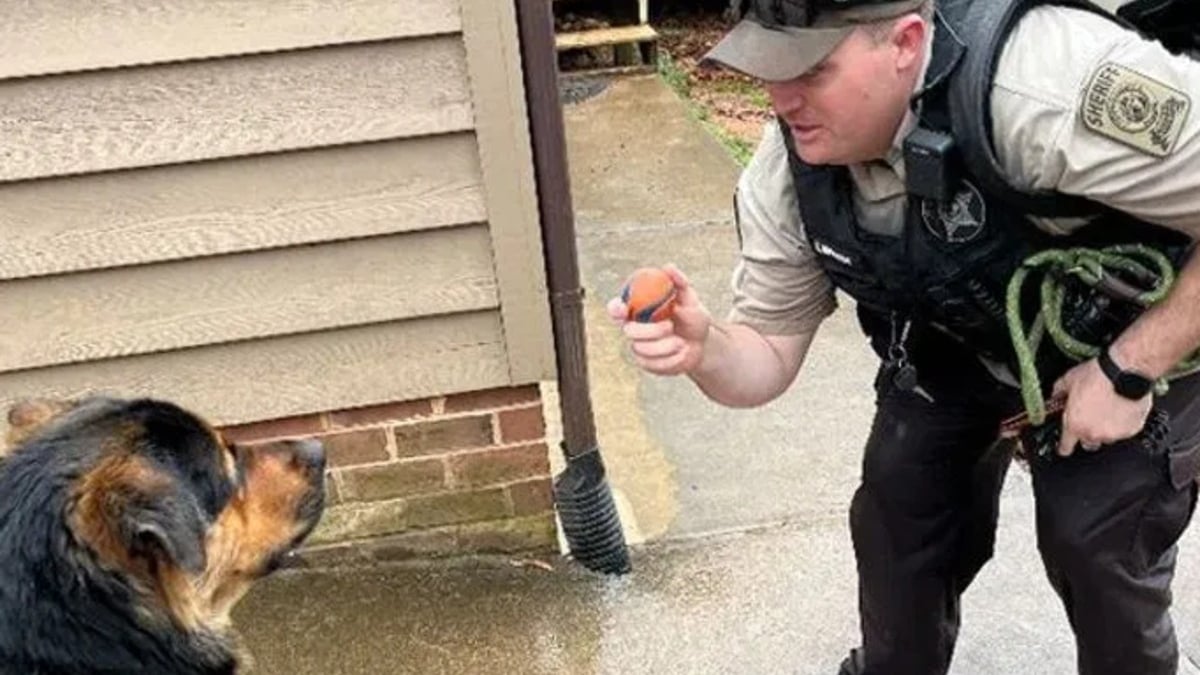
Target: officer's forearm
(1168, 332)
(741, 368)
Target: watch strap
(1129, 384)
(1110, 367)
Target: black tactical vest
(950, 266)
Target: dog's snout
(310, 452)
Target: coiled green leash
(1099, 269)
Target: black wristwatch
(1130, 384)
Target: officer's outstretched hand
(1096, 414)
(673, 346)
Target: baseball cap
(779, 40)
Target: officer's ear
(908, 37)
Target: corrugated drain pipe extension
(581, 493)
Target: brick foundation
(468, 473)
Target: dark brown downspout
(581, 493)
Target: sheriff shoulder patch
(1129, 107)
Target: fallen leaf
(530, 562)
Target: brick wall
(449, 475)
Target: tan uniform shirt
(1079, 105)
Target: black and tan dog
(128, 530)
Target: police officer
(920, 154)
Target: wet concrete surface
(770, 600)
(698, 606)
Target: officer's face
(848, 108)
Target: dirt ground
(732, 102)
(731, 106)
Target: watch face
(1132, 386)
(1126, 383)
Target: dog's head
(158, 497)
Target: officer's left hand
(1096, 414)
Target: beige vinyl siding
(243, 204)
(118, 119)
(298, 373)
(266, 208)
(56, 36)
(137, 310)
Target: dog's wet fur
(128, 531)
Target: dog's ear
(127, 509)
(167, 527)
(27, 417)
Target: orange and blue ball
(649, 295)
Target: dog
(128, 531)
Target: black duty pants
(924, 518)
